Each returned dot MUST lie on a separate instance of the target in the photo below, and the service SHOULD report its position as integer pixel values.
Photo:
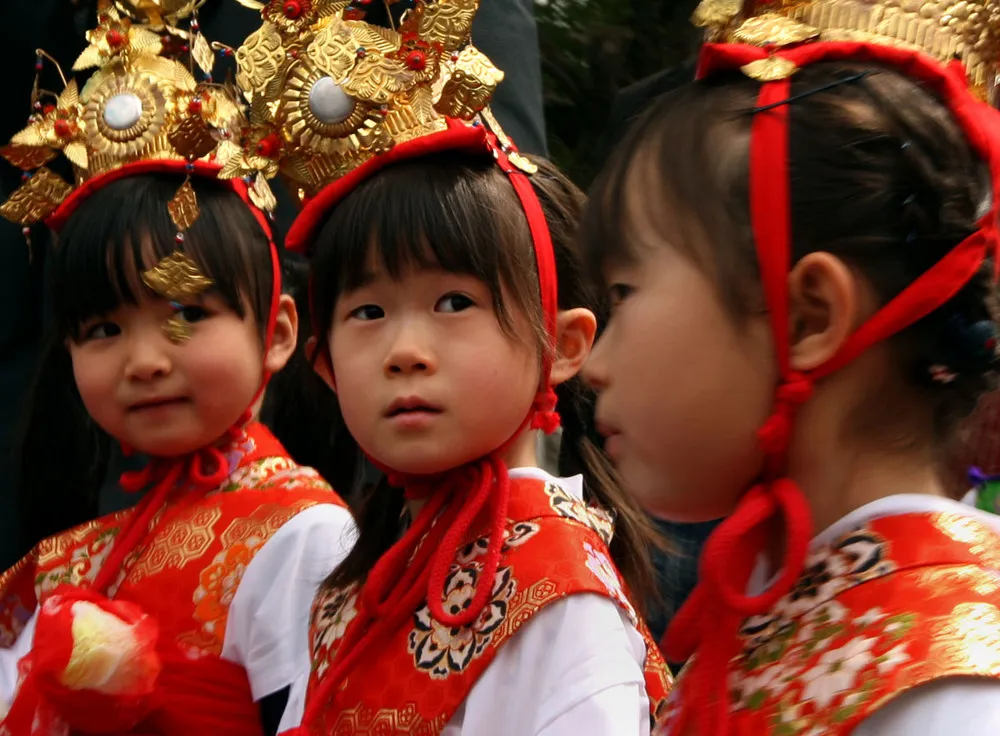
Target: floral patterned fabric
(554, 546)
(900, 602)
(188, 568)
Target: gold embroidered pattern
(363, 720)
(178, 542)
(570, 507)
(968, 639)
(974, 533)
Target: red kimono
(185, 574)
(899, 602)
(414, 681)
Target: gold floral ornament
(140, 104)
(158, 14)
(116, 37)
(334, 83)
(968, 30)
(56, 128)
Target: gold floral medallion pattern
(441, 650)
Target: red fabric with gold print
(414, 680)
(897, 603)
(183, 576)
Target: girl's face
(160, 397)
(682, 386)
(426, 378)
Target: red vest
(413, 681)
(898, 603)
(185, 574)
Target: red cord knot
(776, 433)
(544, 415)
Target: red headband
(411, 570)
(208, 467)
(730, 553)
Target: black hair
(124, 228)
(459, 212)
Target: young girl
(821, 217)
(481, 596)
(186, 614)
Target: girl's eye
(617, 293)
(101, 331)
(453, 303)
(191, 312)
(367, 312)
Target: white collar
(572, 485)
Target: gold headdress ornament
(329, 89)
(140, 105)
(967, 30)
(141, 110)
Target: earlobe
(285, 336)
(320, 363)
(575, 331)
(824, 308)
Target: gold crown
(968, 30)
(139, 105)
(329, 91)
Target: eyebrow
(365, 278)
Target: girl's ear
(575, 331)
(320, 363)
(825, 306)
(285, 336)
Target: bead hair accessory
(141, 104)
(770, 42)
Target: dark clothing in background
(504, 30)
(677, 571)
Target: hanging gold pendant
(176, 277)
(771, 69)
(184, 207)
(177, 329)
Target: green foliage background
(590, 50)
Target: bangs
(454, 212)
(678, 171)
(125, 229)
